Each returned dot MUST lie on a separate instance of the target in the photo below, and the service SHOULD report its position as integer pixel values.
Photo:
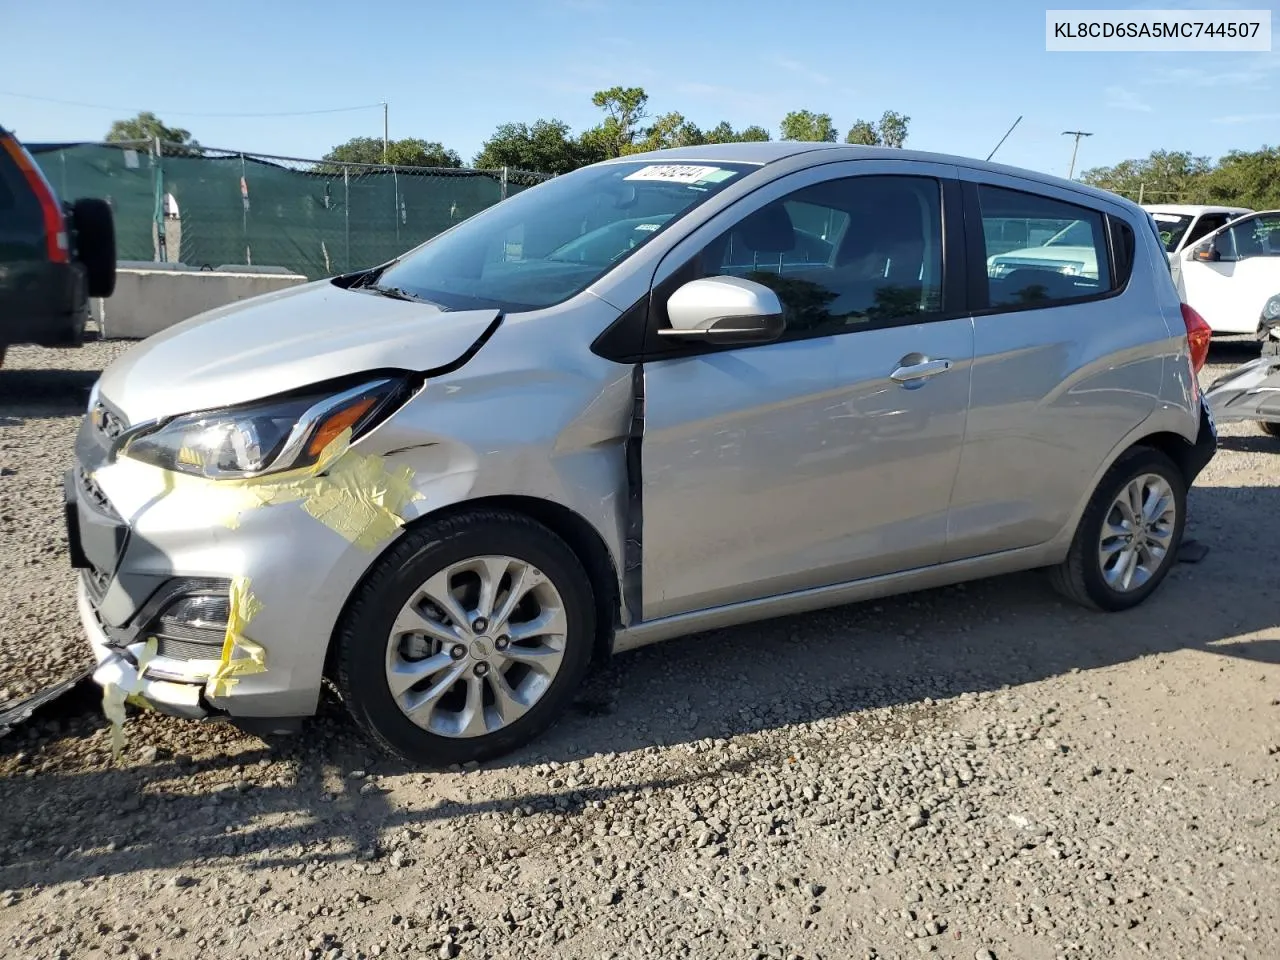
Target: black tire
(1270, 429)
(1080, 576)
(96, 244)
(366, 626)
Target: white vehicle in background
(1232, 275)
(1183, 225)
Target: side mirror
(725, 310)
(1207, 252)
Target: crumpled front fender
(1249, 392)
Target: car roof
(770, 151)
(1192, 209)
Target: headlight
(1271, 311)
(265, 437)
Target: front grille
(89, 487)
(96, 582)
(176, 649)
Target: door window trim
(633, 337)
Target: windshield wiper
(398, 293)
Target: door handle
(919, 370)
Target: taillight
(57, 246)
(1199, 334)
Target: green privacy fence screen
(221, 207)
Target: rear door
(1230, 293)
(804, 463)
(1063, 368)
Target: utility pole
(384, 131)
(1077, 134)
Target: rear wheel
(1270, 429)
(468, 639)
(1129, 534)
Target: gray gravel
(977, 772)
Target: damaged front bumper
(167, 587)
(1249, 392)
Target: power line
(190, 113)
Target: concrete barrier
(152, 296)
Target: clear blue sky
(452, 71)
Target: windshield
(550, 242)
(1171, 226)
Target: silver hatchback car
(661, 394)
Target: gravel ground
(977, 772)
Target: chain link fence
(207, 207)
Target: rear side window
(1063, 256)
(1122, 246)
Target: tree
(546, 147)
(147, 126)
(668, 130)
(1246, 178)
(723, 132)
(624, 108)
(808, 126)
(891, 131)
(863, 132)
(409, 152)
(1166, 176)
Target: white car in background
(1183, 225)
(1232, 273)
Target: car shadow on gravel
(913, 651)
(44, 393)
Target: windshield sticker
(648, 227)
(680, 173)
(1165, 217)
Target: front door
(804, 462)
(1230, 293)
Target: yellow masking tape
(355, 496)
(244, 606)
(115, 695)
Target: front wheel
(468, 639)
(1269, 428)
(1129, 535)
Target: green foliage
(548, 146)
(624, 109)
(1246, 178)
(804, 125)
(891, 131)
(1166, 176)
(147, 126)
(409, 152)
(863, 132)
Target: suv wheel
(96, 244)
(467, 640)
(1129, 535)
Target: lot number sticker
(680, 173)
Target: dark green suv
(54, 256)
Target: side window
(1122, 248)
(1205, 226)
(1255, 237)
(1066, 258)
(842, 255)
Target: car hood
(282, 341)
